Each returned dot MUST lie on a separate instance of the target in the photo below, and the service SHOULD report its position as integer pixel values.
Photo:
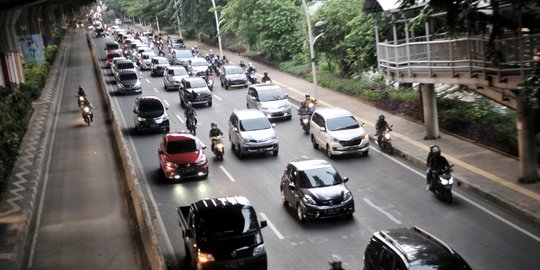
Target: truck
(223, 233)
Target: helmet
(195, 46)
(435, 150)
(381, 117)
(80, 87)
(265, 73)
(188, 105)
(213, 125)
(210, 50)
(250, 64)
(335, 262)
(307, 96)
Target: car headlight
(347, 195)
(204, 257)
(201, 160)
(171, 164)
(259, 250)
(308, 200)
(335, 139)
(137, 84)
(366, 136)
(141, 119)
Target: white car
(117, 21)
(251, 132)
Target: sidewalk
(489, 174)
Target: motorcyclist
(335, 262)
(224, 60)
(87, 103)
(194, 51)
(81, 92)
(380, 127)
(266, 78)
(250, 69)
(190, 113)
(435, 162)
(308, 100)
(214, 131)
(211, 56)
(242, 64)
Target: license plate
(232, 265)
(352, 148)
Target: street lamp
(218, 22)
(312, 41)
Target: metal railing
(466, 54)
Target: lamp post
(218, 22)
(312, 41)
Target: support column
(431, 119)
(526, 143)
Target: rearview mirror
(264, 223)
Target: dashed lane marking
(272, 227)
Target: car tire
(315, 145)
(300, 214)
(275, 153)
(289, 117)
(283, 199)
(209, 103)
(329, 152)
(167, 129)
(226, 86)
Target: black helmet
(213, 125)
(435, 150)
(80, 87)
(381, 117)
(265, 73)
(335, 262)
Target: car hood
(225, 245)
(334, 193)
(178, 78)
(348, 134)
(236, 76)
(128, 82)
(199, 90)
(199, 68)
(259, 135)
(184, 158)
(275, 104)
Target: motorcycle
(191, 125)
(81, 100)
(305, 114)
(252, 77)
(218, 149)
(385, 141)
(441, 184)
(210, 82)
(87, 114)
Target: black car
(195, 90)
(410, 248)
(158, 66)
(149, 113)
(233, 76)
(316, 190)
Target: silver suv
(251, 132)
(269, 99)
(337, 131)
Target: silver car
(172, 76)
(251, 132)
(269, 99)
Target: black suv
(410, 248)
(149, 113)
(194, 90)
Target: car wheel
(300, 213)
(365, 154)
(221, 82)
(275, 153)
(209, 103)
(226, 86)
(315, 145)
(182, 104)
(289, 117)
(283, 199)
(329, 152)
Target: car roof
(176, 67)
(332, 112)
(198, 59)
(417, 246)
(126, 71)
(159, 57)
(306, 164)
(235, 202)
(249, 114)
(265, 86)
(190, 79)
(179, 136)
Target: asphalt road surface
(388, 193)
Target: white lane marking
(272, 227)
(216, 96)
(294, 105)
(305, 157)
(227, 173)
(388, 215)
(489, 212)
(166, 103)
(155, 90)
(179, 118)
(147, 80)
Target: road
(82, 206)
(388, 193)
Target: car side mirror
(345, 179)
(273, 124)
(253, 98)
(160, 152)
(322, 129)
(286, 95)
(235, 129)
(362, 124)
(264, 223)
(135, 111)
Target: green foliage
(403, 94)
(35, 76)
(50, 53)
(294, 67)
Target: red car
(181, 155)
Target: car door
(233, 129)
(251, 98)
(318, 122)
(290, 180)
(136, 111)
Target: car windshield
(128, 76)
(320, 177)
(183, 146)
(342, 123)
(183, 54)
(200, 63)
(234, 70)
(125, 65)
(271, 95)
(151, 108)
(222, 224)
(196, 84)
(146, 56)
(254, 124)
(177, 72)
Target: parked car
(145, 60)
(251, 132)
(337, 132)
(158, 65)
(181, 57)
(172, 76)
(149, 113)
(196, 91)
(269, 99)
(128, 82)
(197, 67)
(315, 190)
(181, 155)
(410, 248)
(233, 76)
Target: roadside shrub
(50, 53)
(36, 76)
(293, 67)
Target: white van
(337, 132)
